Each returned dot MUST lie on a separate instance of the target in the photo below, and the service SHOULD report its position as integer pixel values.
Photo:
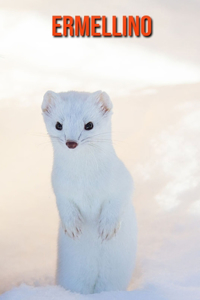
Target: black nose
(71, 144)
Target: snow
(57, 293)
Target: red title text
(96, 26)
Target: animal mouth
(71, 144)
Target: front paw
(72, 225)
(108, 227)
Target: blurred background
(154, 84)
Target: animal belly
(88, 265)
(78, 260)
(118, 256)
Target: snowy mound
(25, 292)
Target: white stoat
(93, 188)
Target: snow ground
(57, 293)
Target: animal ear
(103, 100)
(49, 100)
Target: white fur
(93, 188)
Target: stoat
(93, 189)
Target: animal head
(77, 119)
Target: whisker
(101, 140)
(95, 135)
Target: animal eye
(58, 126)
(89, 126)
